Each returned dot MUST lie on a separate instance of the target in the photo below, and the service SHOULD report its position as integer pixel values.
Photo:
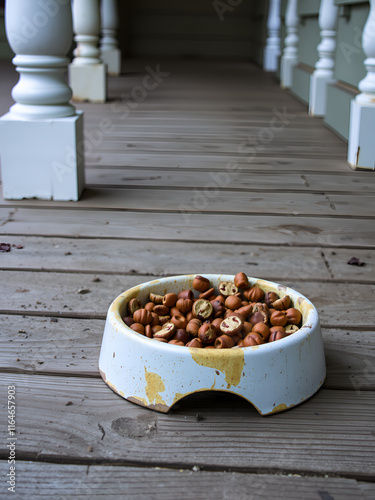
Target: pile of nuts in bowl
(239, 315)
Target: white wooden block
(88, 82)
(361, 151)
(318, 93)
(286, 72)
(42, 158)
(109, 51)
(112, 59)
(271, 58)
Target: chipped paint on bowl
(272, 377)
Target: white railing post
(110, 53)
(290, 53)
(324, 68)
(87, 73)
(272, 49)
(361, 151)
(42, 134)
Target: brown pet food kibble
(236, 314)
(241, 280)
(201, 284)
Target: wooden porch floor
(291, 211)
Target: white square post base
(361, 147)
(42, 158)
(88, 82)
(271, 59)
(318, 94)
(286, 72)
(112, 59)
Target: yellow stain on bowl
(304, 306)
(178, 396)
(229, 362)
(267, 287)
(280, 407)
(155, 385)
(119, 305)
(112, 386)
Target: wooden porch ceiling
(215, 170)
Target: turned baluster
(290, 53)
(324, 68)
(272, 49)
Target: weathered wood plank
(163, 258)
(216, 134)
(57, 293)
(186, 226)
(64, 481)
(250, 108)
(196, 162)
(350, 358)
(121, 148)
(203, 104)
(209, 198)
(337, 260)
(296, 147)
(38, 345)
(71, 347)
(244, 180)
(231, 127)
(82, 419)
(5, 213)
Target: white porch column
(323, 74)
(361, 151)
(289, 57)
(41, 137)
(272, 49)
(87, 74)
(110, 53)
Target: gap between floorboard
(95, 272)
(192, 241)
(33, 457)
(44, 205)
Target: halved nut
(289, 329)
(231, 325)
(227, 288)
(166, 332)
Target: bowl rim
(311, 321)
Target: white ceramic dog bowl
(272, 377)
